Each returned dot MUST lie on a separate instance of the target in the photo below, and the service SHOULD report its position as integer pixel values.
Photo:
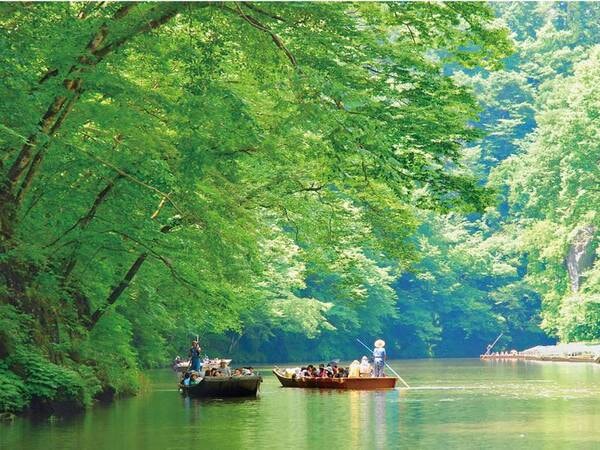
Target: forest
(280, 179)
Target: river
(454, 403)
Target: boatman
(195, 356)
(379, 357)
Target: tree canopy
(285, 175)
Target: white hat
(379, 343)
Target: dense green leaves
(543, 155)
(241, 171)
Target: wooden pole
(489, 349)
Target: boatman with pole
(195, 356)
(379, 357)
(386, 364)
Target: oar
(386, 364)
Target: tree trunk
(82, 223)
(133, 270)
(117, 291)
(59, 109)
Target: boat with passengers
(289, 379)
(224, 387)
(218, 381)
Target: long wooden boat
(575, 358)
(365, 383)
(221, 387)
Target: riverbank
(572, 352)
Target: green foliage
(14, 396)
(542, 158)
(31, 378)
(247, 172)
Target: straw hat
(379, 343)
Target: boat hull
(370, 383)
(224, 387)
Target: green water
(456, 403)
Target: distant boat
(361, 383)
(221, 387)
(207, 364)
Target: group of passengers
(512, 353)
(191, 378)
(331, 370)
(356, 369)
(198, 369)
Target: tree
(154, 160)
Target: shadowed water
(455, 403)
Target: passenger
(224, 370)
(194, 379)
(248, 370)
(354, 369)
(322, 373)
(214, 372)
(237, 373)
(291, 371)
(329, 369)
(365, 368)
(379, 357)
(176, 362)
(186, 379)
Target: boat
(221, 387)
(360, 383)
(572, 352)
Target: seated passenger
(194, 379)
(224, 370)
(186, 379)
(365, 368)
(354, 369)
(237, 373)
(322, 373)
(330, 370)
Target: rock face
(581, 255)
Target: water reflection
(379, 399)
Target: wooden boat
(221, 387)
(551, 358)
(365, 383)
